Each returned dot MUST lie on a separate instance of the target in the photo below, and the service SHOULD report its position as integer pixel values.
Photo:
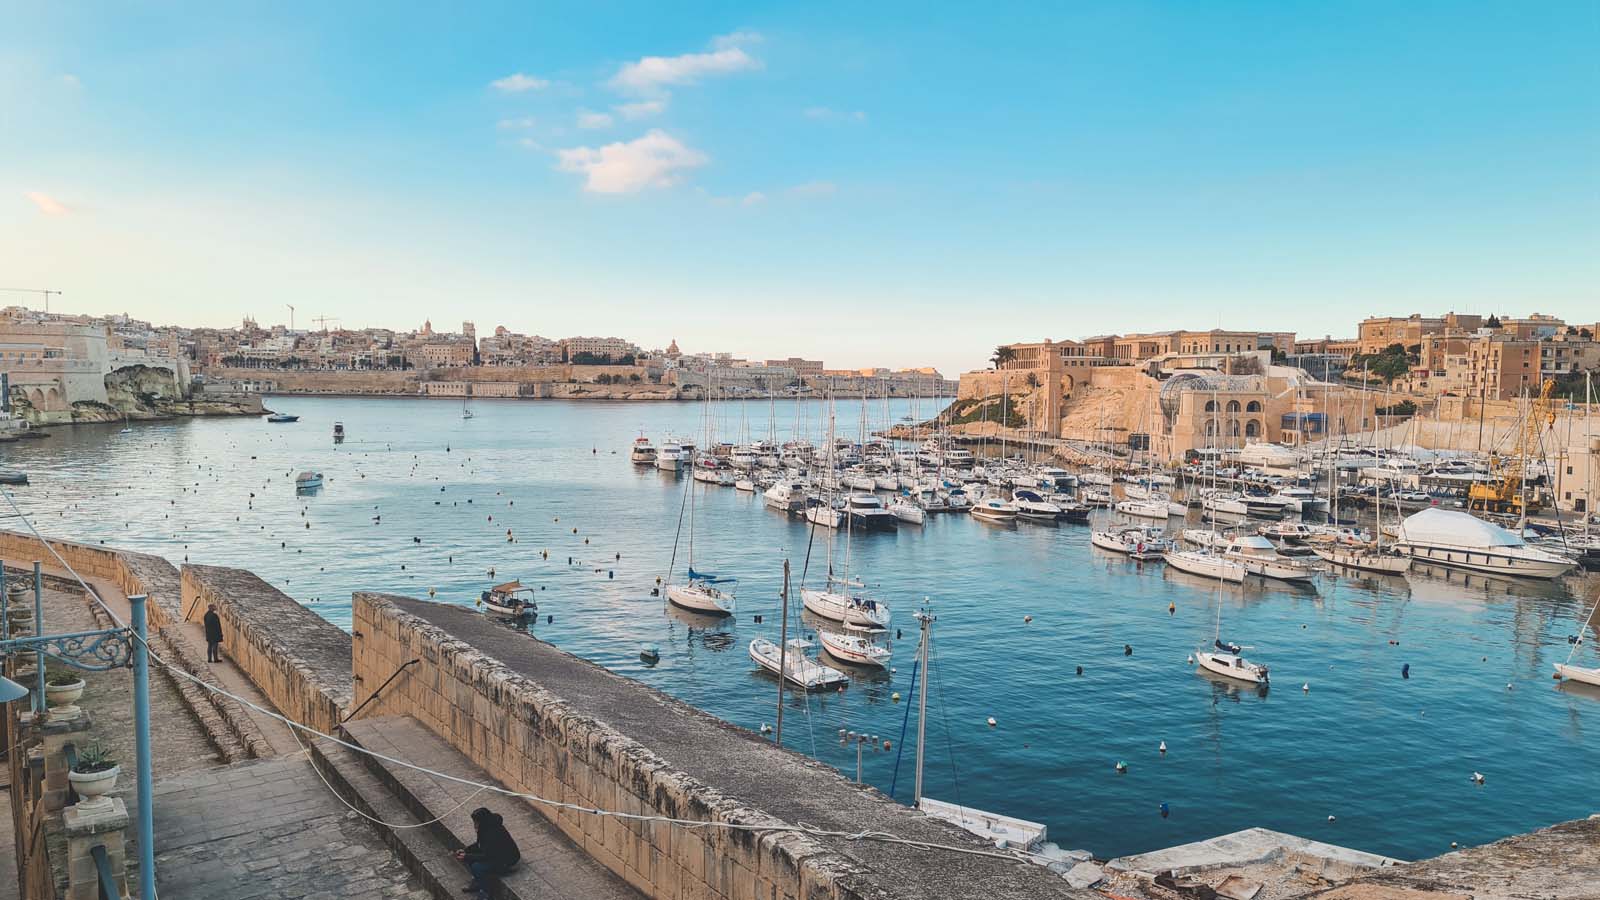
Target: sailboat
(703, 592)
(1226, 658)
(466, 411)
(1208, 560)
(1585, 674)
(126, 428)
(842, 599)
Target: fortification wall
(294, 656)
(133, 573)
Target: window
(1233, 406)
(1211, 406)
(1252, 428)
(1253, 406)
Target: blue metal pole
(141, 715)
(38, 629)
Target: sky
(889, 183)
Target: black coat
(213, 628)
(494, 845)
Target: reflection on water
(418, 499)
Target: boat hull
(1491, 562)
(695, 599)
(1207, 566)
(1578, 673)
(1222, 664)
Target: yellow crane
(1505, 494)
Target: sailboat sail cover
(1229, 647)
(710, 577)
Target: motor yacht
(993, 509)
(1225, 505)
(643, 452)
(671, 457)
(1289, 532)
(1097, 498)
(867, 512)
(1033, 506)
(787, 495)
(1261, 558)
(1463, 541)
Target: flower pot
(92, 787)
(61, 697)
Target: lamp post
(99, 651)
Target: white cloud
(823, 113)
(656, 160)
(47, 204)
(522, 124)
(528, 143)
(653, 73)
(814, 189)
(71, 81)
(587, 119)
(644, 109)
(753, 198)
(516, 84)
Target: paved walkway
(269, 830)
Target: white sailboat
(466, 411)
(856, 645)
(702, 592)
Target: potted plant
(94, 775)
(62, 690)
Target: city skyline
(772, 182)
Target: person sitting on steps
(493, 854)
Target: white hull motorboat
(1137, 543)
(308, 481)
(1034, 507)
(1462, 541)
(1260, 558)
(642, 454)
(825, 516)
(795, 667)
(671, 457)
(786, 496)
(994, 510)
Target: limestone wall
(532, 741)
(133, 573)
(294, 656)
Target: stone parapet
(294, 656)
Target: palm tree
(1002, 355)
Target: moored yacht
(1206, 563)
(672, 457)
(643, 452)
(787, 495)
(1144, 509)
(1137, 543)
(1464, 541)
(1225, 660)
(867, 512)
(1031, 505)
(856, 645)
(702, 593)
(837, 603)
(993, 509)
(1259, 557)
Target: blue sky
(895, 184)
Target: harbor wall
(533, 741)
(132, 573)
(294, 656)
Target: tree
(1033, 380)
(1494, 321)
(1002, 355)
(634, 378)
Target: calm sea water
(1390, 758)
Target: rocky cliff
(137, 392)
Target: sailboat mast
(783, 650)
(926, 619)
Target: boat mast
(926, 618)
(783, 650)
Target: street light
(10, 690)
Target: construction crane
(46, 294)
(291, 315)
(1505, 494)
(322, 321)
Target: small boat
(786, 496)
(338, 432)
(856, 645)
(126, 428)
(308, 481)
(1206, 563)
(993, 509)
(867, 512)
(1582, 674)
(745, 485)
(13, 476)
(506, 600)
(702, 594)
(650, 654)
(1031, 505)
(1301, 500)
(1367, 559)
(794, 666)
(1225, 660)
(643, 453)
(1098, 499)
(825, 513)
(282, 418)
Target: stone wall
(532, 741)
(294, 656)
(133, 573)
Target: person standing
(213, 634)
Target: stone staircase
(552, 865)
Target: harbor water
(419, 500)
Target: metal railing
(102, 866)
(70, 751)
(374, 695)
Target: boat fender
(1508, 685)
(896, 631)
(491, 571)
(1330, 818)
(758, 618)
(1477, 778)
(992, 722)
(574, 531)
(402, 567)
(895, 697)
(549, 619)
(1405, 671)
(1122, 767)
(611, 573)
(1163, 747)
(1027, 619)
(1191, 659)
(1454, 845)
(1305, 688)
(1172, 608)
(765, 728)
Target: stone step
(552, 865)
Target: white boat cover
(1443, 526)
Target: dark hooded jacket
(494, 844)
(213, 628)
